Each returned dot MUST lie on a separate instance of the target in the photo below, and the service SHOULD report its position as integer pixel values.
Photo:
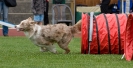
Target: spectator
(46, 19)
(4, 12)
(114, 8)
(38, 9)
(104, 6)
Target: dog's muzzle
(18, 29)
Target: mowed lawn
(20, 52)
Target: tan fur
(46, 36)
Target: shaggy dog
(46, 36)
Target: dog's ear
(30, 19)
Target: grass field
(19, 52)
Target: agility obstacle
(7, 24)
(111, 34)
(12, 29)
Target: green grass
(20, 52)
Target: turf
(20, 52)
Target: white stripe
(127, 6)
(122, 6)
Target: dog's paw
(43, 50)
(55, 52)
(67, 51)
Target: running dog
(45, 36)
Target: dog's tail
(77, 27)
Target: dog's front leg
(51, 48)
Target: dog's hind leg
(67, 50)
(64, 47)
